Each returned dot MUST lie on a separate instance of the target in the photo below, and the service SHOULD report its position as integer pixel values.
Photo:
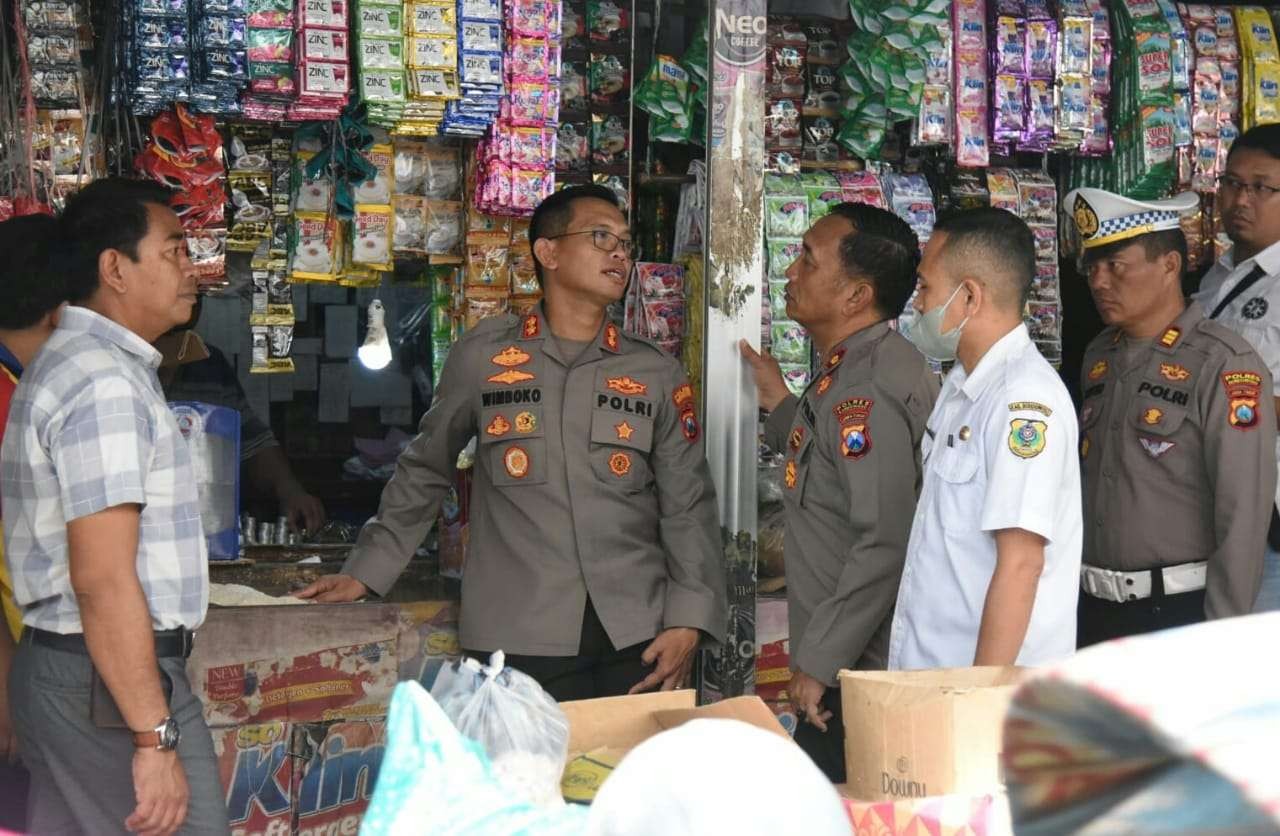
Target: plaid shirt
(88, 430)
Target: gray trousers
(81, 775)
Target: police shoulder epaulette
(1220, 333)
(645, 341)
(490, 326)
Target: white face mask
(926, 332)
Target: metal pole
(734, 271)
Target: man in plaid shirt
(103, 538)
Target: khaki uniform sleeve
(423, 476)
(689, 522)
(878, 489)
(779, 424)
(1241, 465)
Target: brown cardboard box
(915, 734)
(602, 731)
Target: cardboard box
(916, 734)
(950, 815)
(602, 731)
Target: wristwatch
(164, 737)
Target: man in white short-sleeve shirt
(993, 563)
(1242, 290)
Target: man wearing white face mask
(993, 561)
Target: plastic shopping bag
(434, 780)
(519, 726)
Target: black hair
(1154, 245)
(553, 215)
(1264, 138)
(883, 250)
(32, 288)
(107, 214)
(998, 240)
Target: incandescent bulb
(375, 354)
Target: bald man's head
(994, 247)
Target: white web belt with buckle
(1121, 587)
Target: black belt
(169, 643)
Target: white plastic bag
(519, 726)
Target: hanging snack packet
(409, 230)
(272, 347)
(444, 227)
(371, 237)
(789, 342)
(315, 247)
(376, 189)
(786, 216)
(782, 252)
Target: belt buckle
(187, 641)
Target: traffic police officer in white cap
(1177, 433)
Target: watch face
(170, 734)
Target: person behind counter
(196, 371)
(1242, 290)
(852, 470)
(103, 537)
(993, 562)
(34, 296)
(595, 558)
(1178, 433)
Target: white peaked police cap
(1103, 217)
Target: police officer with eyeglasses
(1242, 289)
(595, 557)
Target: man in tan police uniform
(852, 468)
(1177, 434)
(594, 525)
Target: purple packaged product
(1041, 48)
(1009, 109)
(235, 8)
(162, 65)
(1040, 116)
(220, 31)
(1010, 47)
(161, 33)
(1038, 10)
(226, 64)
(166, 8)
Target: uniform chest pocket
(513, 445)
(956, 465)
(619, 449)
(1152, 417)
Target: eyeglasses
(604, 241)
(1255, 191)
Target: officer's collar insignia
(532, 327)
(1170, 337)
(611, 337)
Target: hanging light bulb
(375, 354)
